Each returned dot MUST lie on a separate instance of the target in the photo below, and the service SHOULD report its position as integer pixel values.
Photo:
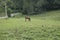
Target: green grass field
(42, 27)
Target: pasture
(41, 27)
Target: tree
(5, 4)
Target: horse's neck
(27, 17)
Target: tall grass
(39, 28)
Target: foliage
(32, 6)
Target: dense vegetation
(30, 6)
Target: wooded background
(29, 7)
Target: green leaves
(31, 6)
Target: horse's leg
(25, 19)
(29, 19)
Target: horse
(27, 18)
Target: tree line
(30, 7)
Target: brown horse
(27, 18)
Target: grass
(41, 27)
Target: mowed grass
(39, 28)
